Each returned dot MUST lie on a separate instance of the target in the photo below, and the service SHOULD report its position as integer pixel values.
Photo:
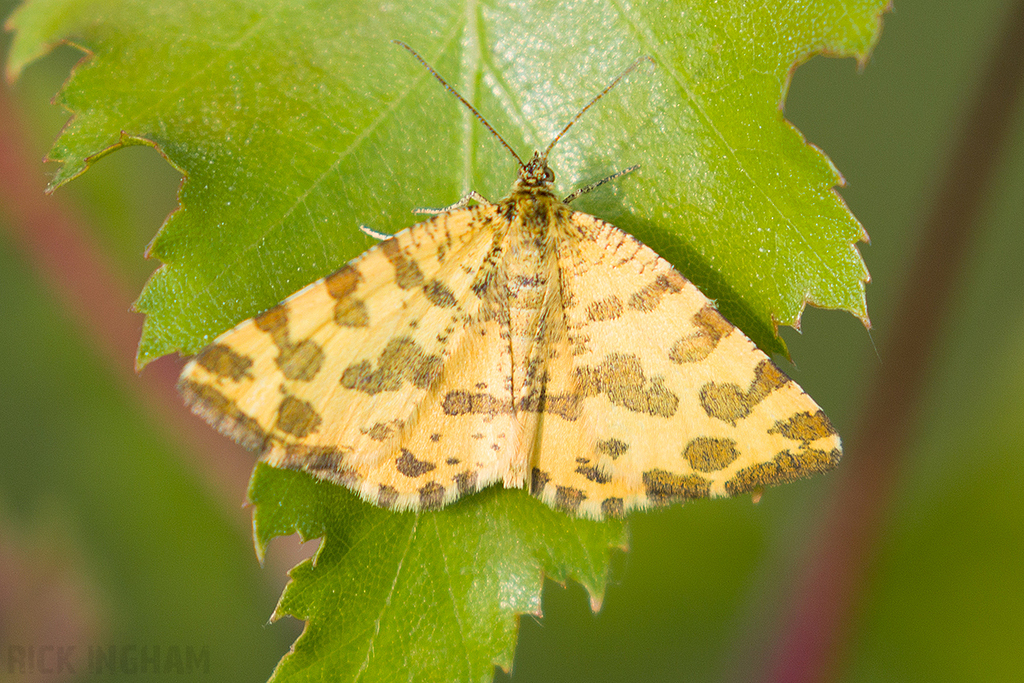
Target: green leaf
(419, 596)
(297, 122)
(294, 123)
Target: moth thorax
(528, 270)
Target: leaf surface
(297, 122)
(419, 596)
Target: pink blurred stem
(826, 593)
(55, 242)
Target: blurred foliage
(90, 489)
(110, 537)
(121, 516)
(700, 594)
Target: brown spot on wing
(648, 298)
(466, 481)
(274, 321)
(342, 283)
(439, 294)
(351, 313)
(463, 403)
(300, 361)
(711, 328)
(320, 457)
(707, 454)
(621, 378)
(594, 474)
(566, 406)
(407, 273)
(387, 496)
(608, 308)
(326, 462)
(408, 465)
(401, 360)
(359, 376)
(612, 507)
(568, 498)
(297, 417)
(805, 426)
(431, 495)
(380, 431)
(784, 467)
(729, 403)
(666, 487)
(220, 360)
(613, 448)
(538, 480)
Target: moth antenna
(629, 70)
(583, 190)
(462, 99)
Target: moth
(516, 341)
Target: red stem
(826, 592)
(67, 260)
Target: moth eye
(549, 175)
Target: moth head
(536, 172)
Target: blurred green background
(114, 532)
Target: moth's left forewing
(674, 402)
(341, 379)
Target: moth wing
(333, 380)
(662, 397)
